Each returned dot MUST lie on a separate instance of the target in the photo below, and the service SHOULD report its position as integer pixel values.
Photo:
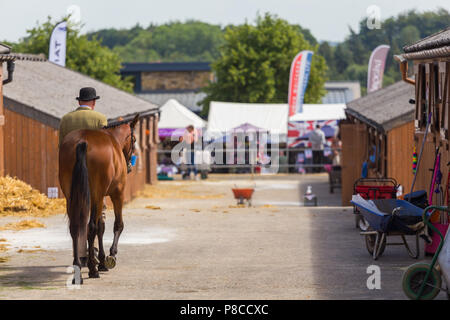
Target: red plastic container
(376, 192)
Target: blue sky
(327, 19)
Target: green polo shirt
(81, 118)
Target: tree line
(346, 60)
(251, 60)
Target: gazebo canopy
(226, 116)
(176, 116)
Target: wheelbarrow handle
(426, 219)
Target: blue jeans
(191, 167)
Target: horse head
(124, 133)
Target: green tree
(83, 55)
(327, 52)
(343, 57)
(409, 34)
(255, 61)
(174, 41)
(115, 37)
(351, 56)
(170, 42)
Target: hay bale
(18, 198)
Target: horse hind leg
(76, 259)
(101, 250)
(93, 272)
(117, 201)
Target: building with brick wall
(182, 81)
(159, 82)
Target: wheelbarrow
(371, 189)
(242, 195)
(422, 280)
(389, 217)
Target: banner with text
(375, 73)
(298, 81)
(57, 49)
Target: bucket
(431, 248)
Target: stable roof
(44, 90)
(385, 108)
(436, 40)
(436, 45)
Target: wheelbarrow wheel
(370, 243)
(413, 279)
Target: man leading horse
(94, 159)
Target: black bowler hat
(87, 94)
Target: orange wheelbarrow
(242, 194)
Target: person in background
(283, 161)
(369, 163)
(189, 138)
(336, 146)
(317, 140)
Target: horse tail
(80, 198)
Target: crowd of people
(195, 163)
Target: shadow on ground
(32, 277)
(340, 259)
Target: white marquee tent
(174, 115)
(225, 116)
(317, 112)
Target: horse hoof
(94, 274)
(102, 267)
(110, 262)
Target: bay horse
(92, 165)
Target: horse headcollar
(133, 141)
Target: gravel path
(193, 248)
